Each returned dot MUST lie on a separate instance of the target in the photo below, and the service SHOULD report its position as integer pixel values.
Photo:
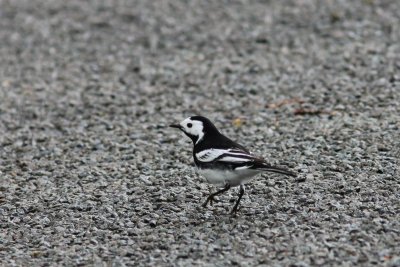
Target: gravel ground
(91, 175)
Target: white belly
(234, 178)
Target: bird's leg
(241, 192)
(210, 198)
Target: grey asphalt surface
(90, 174)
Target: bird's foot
(234, 210)
(210, 199)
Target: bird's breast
(232, 177)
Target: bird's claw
(234, 210)
(210, 199)
(206, 202)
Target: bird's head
(196, 127)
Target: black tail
(269, 168)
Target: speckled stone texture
(90, 174)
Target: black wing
(234, 159)
(218, 151)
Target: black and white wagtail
(220, 160)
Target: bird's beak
(176, 126)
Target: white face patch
(193, 127)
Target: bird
(220, 160)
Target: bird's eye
(189, 125)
